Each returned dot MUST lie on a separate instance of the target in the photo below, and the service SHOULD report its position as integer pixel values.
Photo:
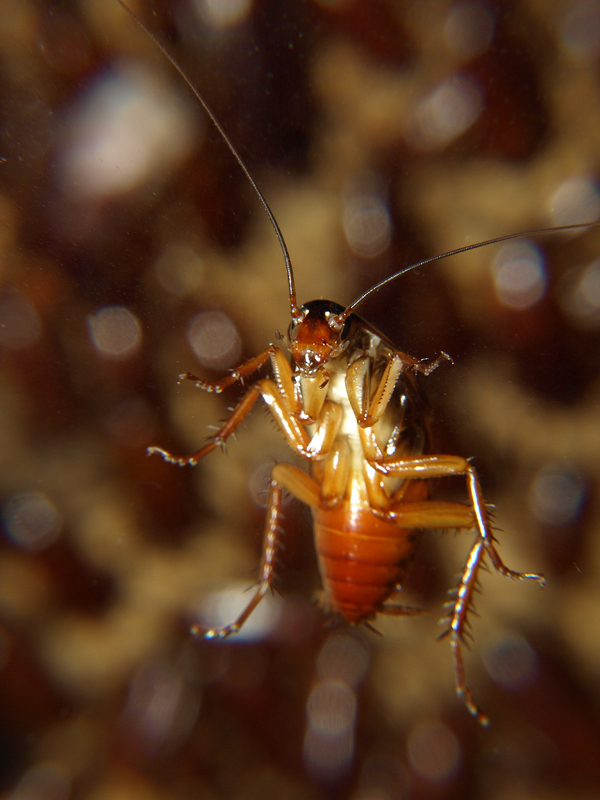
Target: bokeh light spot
(331, 707)
(115, 332)
(511, 661)
(576, 200)
(215, 340)
(329, 737)
(581, 299)
(556, 495)
(223, 13)
(343, 657)
(433, 751)
(179, 270)
(519, 275)
(125, 128)
(446, 113)
(367, 225)
(31, 521)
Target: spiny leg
(218, 440)
(282, 373)
(238, 414)
(279, 405)
(368, 412)
(427, 365)
(237, 374)
(463, 602)
(426, 467)
(476, 516)
(456, 631)
(267, 567)
(485, 531)
(435, 514)
(281, 400)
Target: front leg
(239, 413)
(428, 365)
(237, 374)
(281, 397)
(293, 431)
(279, 405)
(218, 440)
(282, 372)
(368, 412)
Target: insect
(346, 400)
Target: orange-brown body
(348, 403)
(362, 557)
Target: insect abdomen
(362, 558)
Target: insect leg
(432, 514)
(427, 366)
(237, 374)
(238, 414)
(267, 566)
(442, 466)
(281, 371)
(357, 378)
(281, 407)
(315, 448)
(358, 390)
(439, 466)
(330, 486)
(326, 430)
(458, 623)
(298, 483)
(305, 489)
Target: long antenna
(337, 322)
(288, 262)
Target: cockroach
(346, 400)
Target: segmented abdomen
(362, 558)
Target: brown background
(314, 94)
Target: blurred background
(133, 249)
